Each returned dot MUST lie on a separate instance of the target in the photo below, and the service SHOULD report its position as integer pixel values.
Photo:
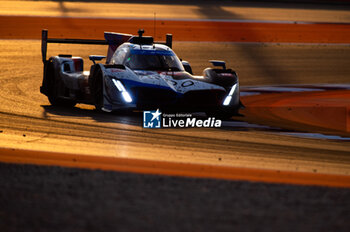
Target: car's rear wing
(45, 40)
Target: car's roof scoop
(141, 40)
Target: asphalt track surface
(180, 10)
(28, 122)
(207, 21)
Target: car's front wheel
(96, 86)
(222, 113)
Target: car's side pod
(223, 77)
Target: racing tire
(52, 84)
(55, 101)
(96, 87)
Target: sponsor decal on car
(157, 119)
(225, 74)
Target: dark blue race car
(138, 74)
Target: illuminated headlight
(229, 96)
(126, 96)
(227, 100)
(119, 85)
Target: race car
(139, 74)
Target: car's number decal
(187, 83)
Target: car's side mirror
(218, 63)
(187, 66)
(93, 58)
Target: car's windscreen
(157, 60)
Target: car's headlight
(228, 99)
(126, 96)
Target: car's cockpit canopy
(154, 57)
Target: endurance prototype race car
(139, 74)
